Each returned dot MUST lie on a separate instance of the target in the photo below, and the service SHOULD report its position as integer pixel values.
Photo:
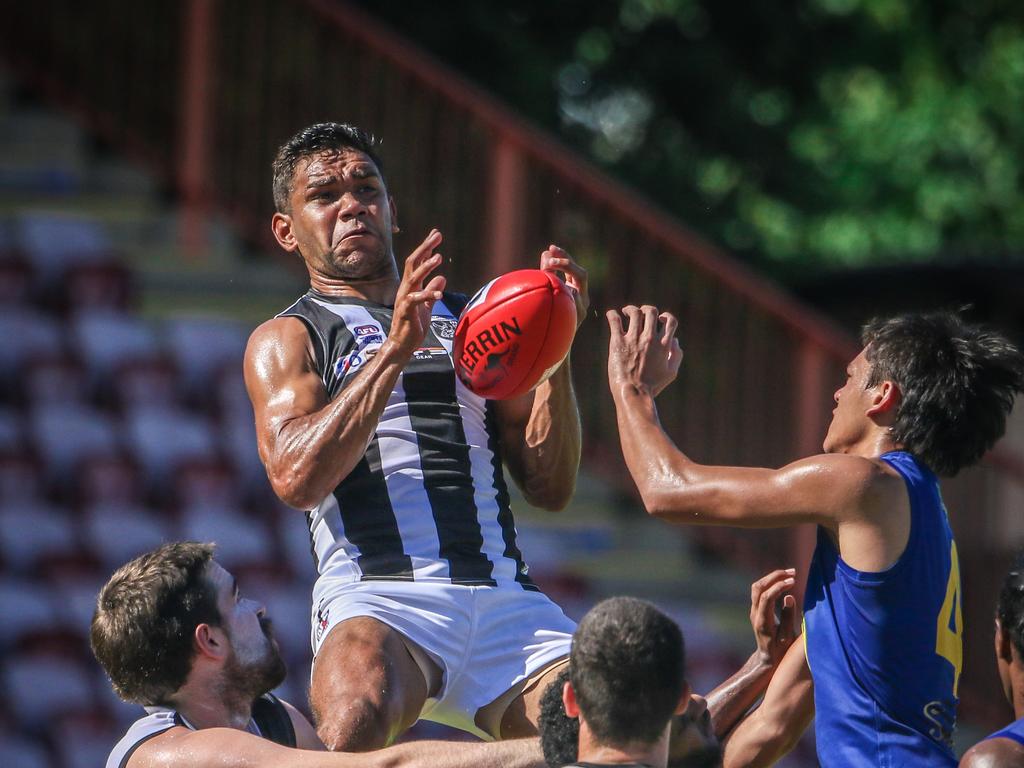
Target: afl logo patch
(443, 327)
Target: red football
(514, 333)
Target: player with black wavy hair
(1005, 747)
(928, 394)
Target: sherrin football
(514, 333)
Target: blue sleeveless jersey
(885, 648)
(1014, 731)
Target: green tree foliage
(803, 135)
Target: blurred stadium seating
(116, 406)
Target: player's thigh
(521, 717)
(363, 659)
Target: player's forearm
(313, 453)
(731, 700)
(759, 742)
(517, 753)
(656, 464)
(551, 446)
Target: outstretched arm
(307, 444)
(774, 728)
(230, 748)
(730, 701)
(643, 358)
(540, 431)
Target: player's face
(342, 217)
(1002, 664)
(255, 662)
(849, 417)
(693, 734)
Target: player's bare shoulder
(994, 753)
(162, 749)
(861, 484)
(278, 345)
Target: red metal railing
(204, 91)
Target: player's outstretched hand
(556, 260)
(773, 634)
(414, 300)
(643, 352)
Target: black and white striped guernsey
(428, 500)
(270, 720)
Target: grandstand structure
(123, 419)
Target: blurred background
(773, 173)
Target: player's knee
(357, 725)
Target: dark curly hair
(1010, 608)
(957, 383)
(145, 617)
(313, 140)
(559, 733)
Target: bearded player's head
(173, 619)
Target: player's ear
(394, 215)
(572, 708)
(885, 398)
(684, 700)
(1004, 645)
(281, 226)
(209, 641)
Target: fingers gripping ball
(514, 333)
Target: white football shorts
(484, 639)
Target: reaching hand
(773, 635)
(555, 259)
(645, 354)
(414, 300)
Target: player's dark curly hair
(957, 383)
(1010, 608)
(628, 669)
(559, 733)
(313, 140)
(145, 617)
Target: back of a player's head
(1010, 608)
(314, 140)
(628, 668)
(146, 615)
(957, 383)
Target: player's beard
(249, 679)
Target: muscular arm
(774, 728)
(230, 748)
(540, 437)
(824, 489)
(994, 753)
(540, 432)
(308, 445)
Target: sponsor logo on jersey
(426, 353)
(346, 364)
(443, 327)
(365, 330)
